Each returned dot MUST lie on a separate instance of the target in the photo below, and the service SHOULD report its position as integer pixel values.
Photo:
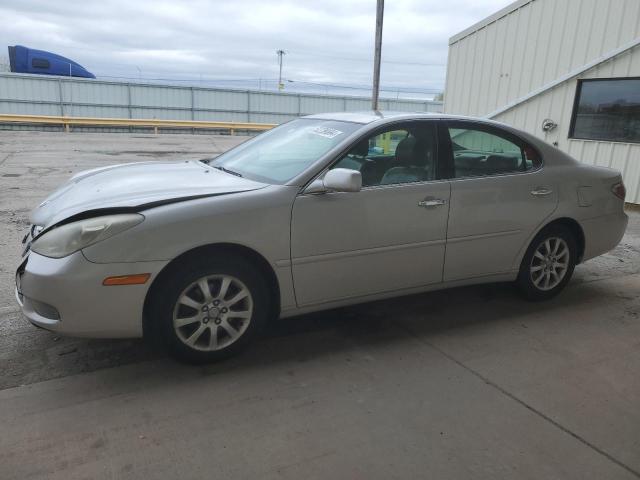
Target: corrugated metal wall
(535, 44)
(42, 95)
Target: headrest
(405, 151)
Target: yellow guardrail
(68, 122)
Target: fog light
(45, 310)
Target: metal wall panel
(357, 104)
(221, 100)
(86, 92)
(271, 118)
(28, 108)
(95, 111)
(161, 113)
(534, 45)
(403, 106)
(433, 107)
(43, 95)
(145, 95)
(316, 104)
(223, 116)
(28, 88)
(274, 102)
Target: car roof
(371, 116)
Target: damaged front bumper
(66, 295)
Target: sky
(234, 42)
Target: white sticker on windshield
(326, 132)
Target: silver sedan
(324, 211)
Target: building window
(607, 109)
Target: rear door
(500, 194)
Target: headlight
(69, 238)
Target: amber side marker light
(137, 279)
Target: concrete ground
(465, 383)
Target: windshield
(284, 152)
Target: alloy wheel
(212, 312)
(550, 263)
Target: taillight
(619, 190)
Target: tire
(200, 328)
(544, 274)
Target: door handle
(432, 202)
(541, 192)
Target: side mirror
(337, 180)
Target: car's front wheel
(548, 264)
(210, 309)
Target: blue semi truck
(28, 60)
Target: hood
(137, 185)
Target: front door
(387, 237)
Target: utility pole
(281, 53)
(377, 54)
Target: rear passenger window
(478, 152)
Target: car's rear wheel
(210, 309)
(548, 264)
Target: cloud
(329, 41)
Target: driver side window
(394, 156)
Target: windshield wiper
(226, 170)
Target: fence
(71, 97)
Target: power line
(368, 60)
(366, 87)
(275, 81)
(196, 80)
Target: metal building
(567, 71)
